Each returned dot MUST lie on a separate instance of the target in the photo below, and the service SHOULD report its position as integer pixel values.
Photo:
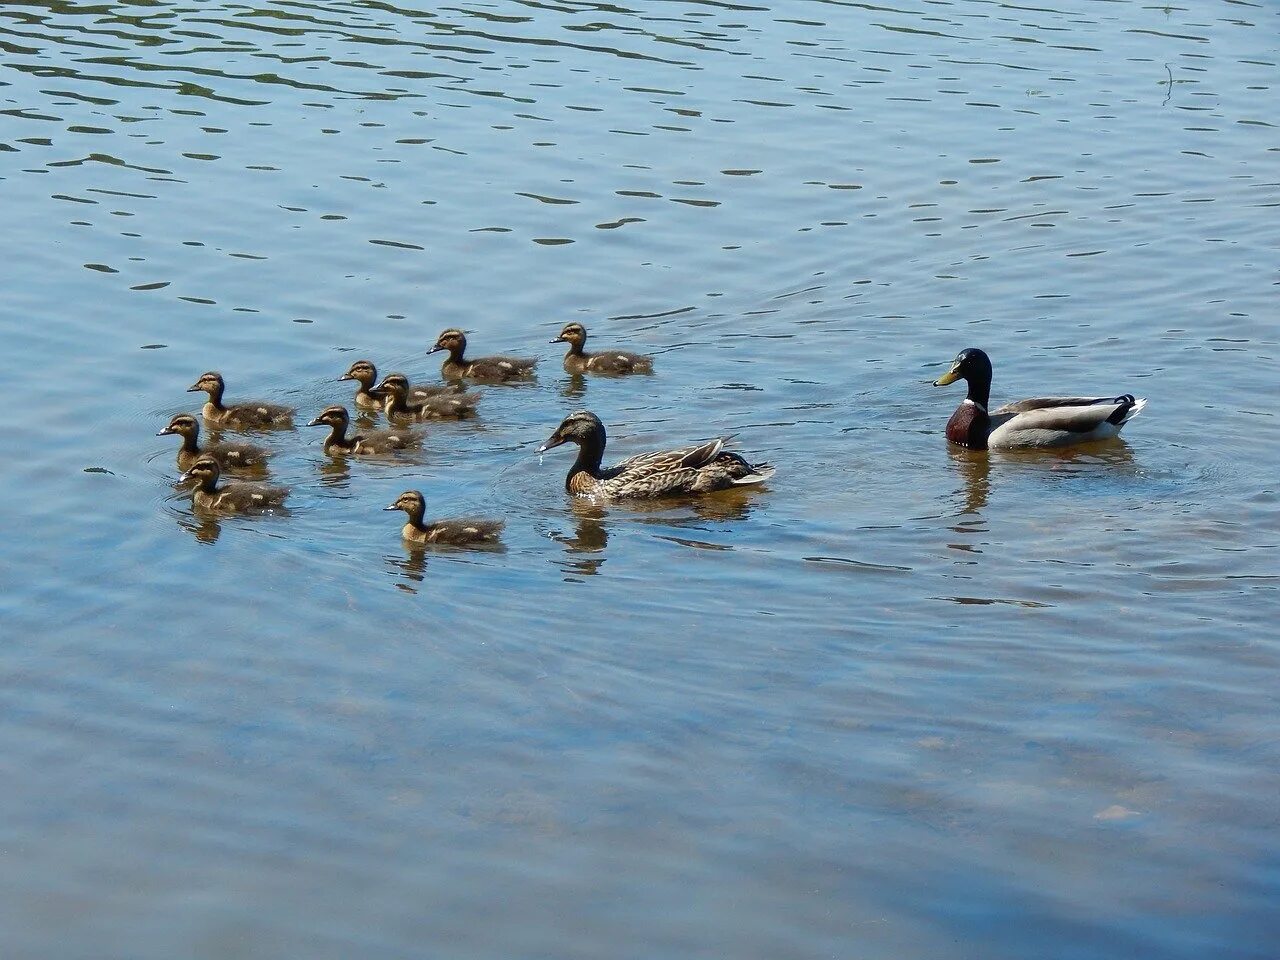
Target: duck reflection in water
(974, 469)
(590, 536)
(206, 528)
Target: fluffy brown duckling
(373, 442)
(230, 497)
(488, 369)
(615, 362)
(234, 457)
(250, 414)
(688, 470)
(398, 402)
(368, 396)
(455, 532)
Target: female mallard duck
(397, 402)
(689, 470)
(230, 497)
(233, 456)
(455, 532)
(578, 360)
(1040, 422)
(240, 414)
(373, 442)
(490, 369)
(367, 396)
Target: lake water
(905, 702)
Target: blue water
(904, 702)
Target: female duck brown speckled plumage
(230, 497)
(234, 457)
(451, 532)
(1039, 422)
(397, 404)
(370, 443)
(688, 470)
(488, 369)
(616, 362)
(251, 414)
(368, 397)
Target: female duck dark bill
(665, 473)
(249, 414)
(230, 497)
(1039, 422)
(370, 443)
(489, 369)
(244, 457)
(617, 362)
(458, 533)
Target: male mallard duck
(611, 361)
(232, 456)
(230, 497)
(1040, 422)
(454, 532)
(491, 369)
(702, 469)
(397, 402)
(240, 414)
(362, 444)
(367, 397)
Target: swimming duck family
(694, 470)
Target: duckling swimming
(455, 532)
(230, 497)
(251, 414)
(233, 456)
(367, 396)
(362, 444)
(397, 402)
(490, 369)
(688, 470)
(611, 361)
(1039, 422)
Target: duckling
(394, 391)
(454, 532)
(612, 361)
(231, 497)
(490, 369)
(689, 470)
(374, 442)
(241, 414)
(367, 396)
(233, 456)
(1039, 422)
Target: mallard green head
(581, 427)
(970, 364)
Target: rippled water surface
(905, 702)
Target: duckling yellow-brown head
(363, 372)
(453, 340)
(574, 334)
(335, 416)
